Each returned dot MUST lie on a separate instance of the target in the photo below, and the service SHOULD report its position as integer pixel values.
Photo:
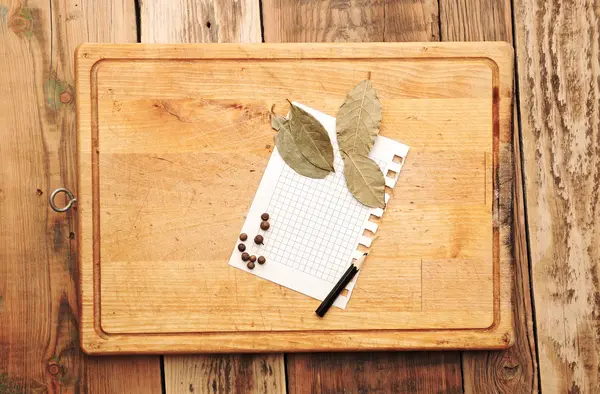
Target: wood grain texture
(39, 341)
(513, 370)
(188, 21)
(559, 89)
(247, 373)
(383, 372)
(186, 126)
(122, 374)
(411, 20)
(323, 21)
(350, 20)
(475, 20)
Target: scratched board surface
(173, 141)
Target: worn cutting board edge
(95, 341)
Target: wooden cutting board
(172, 144)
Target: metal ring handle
(72, 199)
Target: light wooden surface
(207, 130)
(39, 322)
(513, 370)
(559, 91)
(211, 21)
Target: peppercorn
(243, 236)
(241, 247)
(245, 256)
(261, 260)
(265, 225)
(264, 216)
(253, 258)
(259, 239)
(250, 265)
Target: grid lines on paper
(315, 223)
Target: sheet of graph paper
(316, 224)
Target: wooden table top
(556, 183)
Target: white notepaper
(316, 224)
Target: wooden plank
(246, 373)
(350, 21)
(122, 374)
(559, 91)
(283, 23)
(212, 21)
(383, 372)
(472, 20)
(323, 21)
(411, 20)
(38, 260)
(513, 370)
(186, 21)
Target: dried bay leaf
(358, 120)
(277, 121)
(364, 179)
(312, 138)
(290, 152)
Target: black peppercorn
(265, 225)
(245, 256)
(241, 247)
(243, 236)
(264, 216)
(258, 239)
(261, 259)
(253, 258)
(250, 265)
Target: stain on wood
(9, 386)
(20, 21)
(39, 318)
(559, 89)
